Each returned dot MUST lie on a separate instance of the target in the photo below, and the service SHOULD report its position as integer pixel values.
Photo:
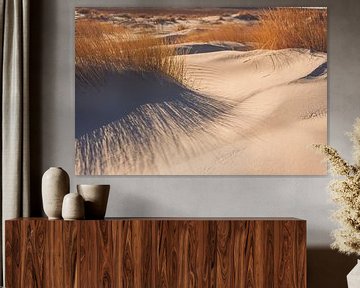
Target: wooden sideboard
(156, 252)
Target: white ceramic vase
(96, 198)
(353, 278)
(73, 207)
(55, 185)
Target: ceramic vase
(353, 278)
(96, 198)
(73, 207)
(55, 185)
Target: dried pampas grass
(345, 192)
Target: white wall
(52, 93)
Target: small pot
(73, 207)
(96, 198)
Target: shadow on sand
(122, 93)
(130, 118)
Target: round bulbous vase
(55, 185)
(353, 278)
(73, 207)
(96, 198)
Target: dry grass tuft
(277, 29)
(102, 46)
(292, 28)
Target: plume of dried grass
(345, 192)
(103, 46)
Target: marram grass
(277, 28)
(102, 47)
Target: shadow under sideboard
(328, 268)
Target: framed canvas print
(218, 91)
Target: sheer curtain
(14, 27)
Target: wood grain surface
(157, 253)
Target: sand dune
(252, 112)
(281, 109)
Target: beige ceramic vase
(55, 185)
(73, 207)
(96, 198)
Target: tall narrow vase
(55, 185)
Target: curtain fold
(15, 159)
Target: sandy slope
(244, 112)
(280, 110)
